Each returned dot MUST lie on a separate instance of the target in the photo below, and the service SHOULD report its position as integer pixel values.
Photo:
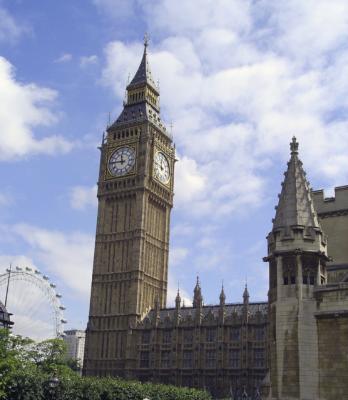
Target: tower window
(286, 280)
(187, 359)
(165, 359)
(260, 333)
(259, 358)
(144, 359)
(145, 337)
(292, 280)
(210, 359)
(235, 334)
(234, 358)
(210, 334)
(167, 336)
(188, 336)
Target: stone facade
(135, 196)
(222, 348)
(333, 217)
(308, 295)
(75, 341)
(296, 343)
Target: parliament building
(294, 345)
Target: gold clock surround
(111, 151)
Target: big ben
(135, 197)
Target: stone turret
(222, 298)
(178, 301)
(197, 295)
(246, 304)
(198, 302)
(177, 308)
(297, 263)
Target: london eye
(34, 302)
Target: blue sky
(238, 79)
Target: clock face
(122, 160)
(161, 167)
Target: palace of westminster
(293, 346)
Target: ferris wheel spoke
(34, 303)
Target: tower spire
(246, 295)
(295, 206)
(222, 295)
(143, 76)
(197, 295)
(178, 299)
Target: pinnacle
(246, 292)
(143, 74)
(295, 207)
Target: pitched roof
(295, 207)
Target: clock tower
(135, 197)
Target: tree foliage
(42, 371)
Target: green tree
(42, 371)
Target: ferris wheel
(34, 302)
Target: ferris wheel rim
(46, 287)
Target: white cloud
(189, 182)
(195, 16)
(66, 57)
(88, 60)
(9, 29)
(121, 62)
(82, 197)
(234, 115)
(14, 260)
(23, 108)
(239, 79)
(177, 255)
(66, 256)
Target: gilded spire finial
(294, 146)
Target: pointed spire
(246, 295)
(197, 295)
(295, 206)
(178, 300)
(222, 295)
(143, 74)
